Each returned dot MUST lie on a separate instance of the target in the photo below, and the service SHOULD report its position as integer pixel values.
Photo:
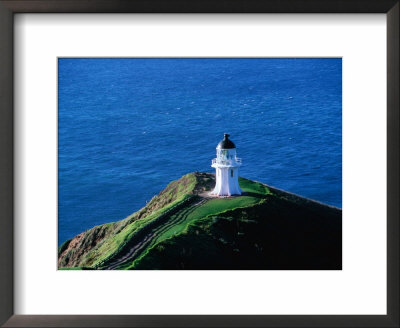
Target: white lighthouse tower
(226, 169)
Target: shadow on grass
(253, 194)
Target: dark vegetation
(273, 235)
(265, 228)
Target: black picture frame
(10, 7)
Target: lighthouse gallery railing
(237, 160)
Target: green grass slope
(183, 228)
(99, 243)
(281, 231)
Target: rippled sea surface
(127, 127)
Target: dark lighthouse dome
(226, 143)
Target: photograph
(199, 163)
(239, 159)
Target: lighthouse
(226, 169)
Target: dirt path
(133, 252)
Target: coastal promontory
(184, 227)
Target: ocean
(129, 126)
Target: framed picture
(212, 214)
(58, 111)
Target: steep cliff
(184, 228)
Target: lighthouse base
(227, 183)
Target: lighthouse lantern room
(226, 169)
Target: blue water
(127, 127)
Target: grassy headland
(183, 228)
